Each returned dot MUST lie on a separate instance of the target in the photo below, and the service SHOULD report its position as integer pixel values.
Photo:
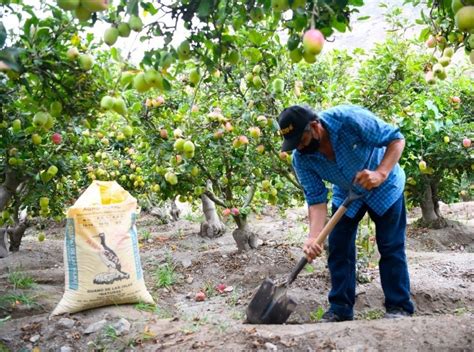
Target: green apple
(139, 83)
(422, 165)
(188, 147)
(179, 144)
(107, 102)
(124, 29)
(40, 119)
(49, 122)
(85, 62)
(184, 50)
(95, 5)
(68, 4)
(111, 35)
(44, 202)
(16, 125)
(278, 86)
(194, 77)
(154, 78)
(233, 57)
(464, 19)
(55, 108)
(135, 23)
(82, 14)
(257, 81)
(127, 131)
(280, 5)
(194, 171)
(171, 178)
(52, 170)
(308, 57)
(36, 138)
(126, 79)
(72, 53)
(446, 139)
(444, 61)
(120, 107)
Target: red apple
(313, 41)
(226, 212)
(164, 133)
(235, 211)
(456, 100)
(466, 142)
(56, 138)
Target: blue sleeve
(315, 191)
(370, 128)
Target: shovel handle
(320, 239)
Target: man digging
(350, 147)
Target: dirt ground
(441, 264)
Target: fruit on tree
(194, 77)
(262, 120)
(179, 144)
(184, 50)
(177, 133)
(456, 100)
(466, 142)
(95, 5)
(422, 165)
(55, 108)
(85, 62)
(139, 83)
(255, 132)
(16, 125)
(107, 102)
(68, 4)
(308, 57)
(171, 178)
(153, 78)
(164, 133)
(257, 81)
(280, 5)
(52, 170)
(127, 131)
(444, 61)
(44, 202)
(56, 138)
(36, 138)
(188, 147)
(296, 55)
(82, 14)
(464, 19)
(234, 211)
(40, 119)
(313, 41)
(431, 42)
(135, 23)
(72, 53)
(124, 29)
(119, 106)
(430, 78)
(446, 139)
(111, 35)
(278, 86)
(260, 148)
(226, 212)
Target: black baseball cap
(293, 121)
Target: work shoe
(396, 313)
(331, 317)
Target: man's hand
(311, 249)
(370, 179)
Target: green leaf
(356, 2)
(256, 38)
(3, 35)
(363, 18)
(132, 7)
(204, 8)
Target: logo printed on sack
(112, 261)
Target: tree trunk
(8, 188)
(431, 216)
(174, 212)
(3, 243)
(243, 236)
(16, 234)
(212, 227)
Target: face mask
(312, 147)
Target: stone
(122, 327)
(186, 262)
(65, 323)
(66, 349)
(270, 346)
(189, 280)
(35, 338)
(94, 327)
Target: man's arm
(317, 218)
(372, 179)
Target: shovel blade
(270, 305)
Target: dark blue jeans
(390, 237)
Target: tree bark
(8, 188)
(243, 236)
(431, 215)
(212, 227)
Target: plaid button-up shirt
(354, 133)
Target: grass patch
(373, 314)
(194, 217)
(165, 276)
(20, 280)
(309, 268)
(145, 307)
(13, 299)
(145, 235)
(317, 314)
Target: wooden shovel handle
(330, 225)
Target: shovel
(270, 304)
